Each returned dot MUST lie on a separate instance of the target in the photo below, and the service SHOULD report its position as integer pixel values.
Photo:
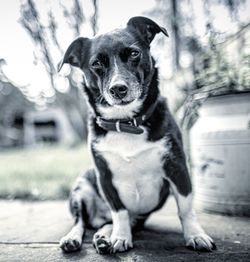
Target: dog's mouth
(120, 102)
(123, 103)
(122, 110)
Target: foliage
(74, 16)
(95, 17)
(43, 35)
(223, 68)
(46, 42)
(212, 69)
(30, 20)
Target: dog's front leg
(178, 176)
(194, 235)
(121, 236)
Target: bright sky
(17, 49)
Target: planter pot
(220, 155)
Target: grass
(41, 173)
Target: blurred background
(43, 114)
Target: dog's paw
(201, 242)
(102, 243)
(70, 243)
(121, 243)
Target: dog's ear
(75, 53)
(146, 27)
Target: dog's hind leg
(73, 240)
(88, 210)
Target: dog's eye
(134, 53)
(96, 64)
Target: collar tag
(117, 126)
(135, 122)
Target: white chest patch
(136, 165)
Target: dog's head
(117, 65)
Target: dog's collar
(131, 126)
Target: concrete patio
(30, 231)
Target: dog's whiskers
(100, 99)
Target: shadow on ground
(30, 231)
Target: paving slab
(30, 231)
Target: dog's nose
(118, 91)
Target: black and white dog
(135, 144)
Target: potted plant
(218, 112)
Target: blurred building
(13, 105)
(49, 126)
(22, 125)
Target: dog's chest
(136, 166)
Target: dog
(134, 141)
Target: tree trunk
(176, 34)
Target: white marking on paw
(200, 242)
(101, 239)
(193, 233)
(121, 237)
(73, 240)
